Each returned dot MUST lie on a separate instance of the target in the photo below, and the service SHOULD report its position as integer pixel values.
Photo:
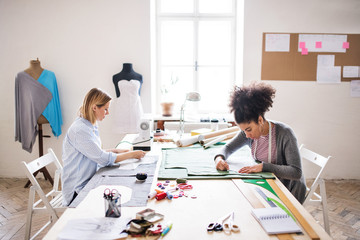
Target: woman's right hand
(221, 164)
(138, 154)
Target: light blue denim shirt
(82, 156)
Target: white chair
(311, 195)
(51, 203)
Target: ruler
(308, 229)
(256, 203)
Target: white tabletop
(191, 216)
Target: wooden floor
(343, 203)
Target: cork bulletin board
(295, 56)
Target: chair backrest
(311, 195)
(317, 159)
(43, 161)
(321, 161)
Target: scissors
(228, 226)
(111, 194)
(218, 225)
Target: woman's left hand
(252, 169)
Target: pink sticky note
(304, 51)
(318, 44)
(346, 45)
(301, 44)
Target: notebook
(275, 220)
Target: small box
(149, 215)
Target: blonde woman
(82, 152)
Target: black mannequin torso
(127, 73)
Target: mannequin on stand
(35, 71)
(127, 73)
(128, 108)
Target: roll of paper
(227, 136)
(189, 140)
(220, 132)
(216, 140)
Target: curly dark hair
(250, 102)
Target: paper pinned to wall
(326, 60)
(329, 42)
(351, 71)
(328, 74)
(355, 88)
(326, 71)
(277, 43)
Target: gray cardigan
(31, 99)
(288, 161)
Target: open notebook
(275, 220)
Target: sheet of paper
(351, 71)
(323, 42)
(236, 163)
(355, 88)
(133, 163)
(328, 74)
(277, 42)
(95, 228)
(326, 60)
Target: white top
(127, 108)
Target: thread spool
(158, 191)
(169, 195)
(160, 196)
(181, 180)
(173, 189)
(152, 194)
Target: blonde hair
(94, 96)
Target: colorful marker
(167, 229)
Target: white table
(190, 217)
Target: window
(195, 51)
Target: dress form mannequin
(127, 73)
(35, 71)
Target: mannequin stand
(41, 152)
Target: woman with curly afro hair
(273, 144)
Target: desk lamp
(191, 96)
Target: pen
(167, 229)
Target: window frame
(194, 17)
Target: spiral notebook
(275, 220)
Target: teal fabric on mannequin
(52, 111)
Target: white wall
(84, 42)
(324, 117)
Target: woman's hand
(252, 169)
(138, 154)
(221, 164)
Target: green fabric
(197, 163)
